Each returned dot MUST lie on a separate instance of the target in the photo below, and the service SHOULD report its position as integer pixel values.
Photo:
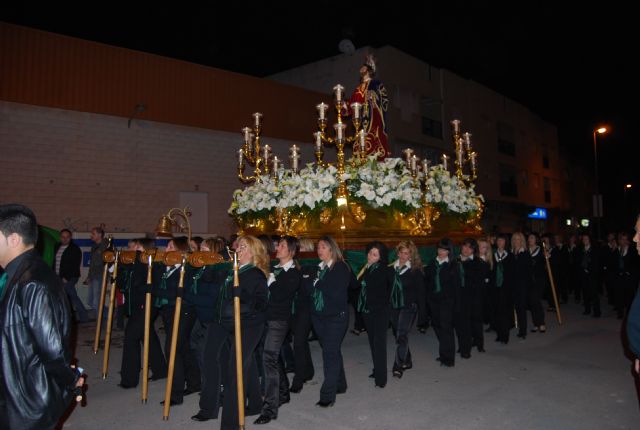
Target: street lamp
(597, 200)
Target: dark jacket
(202, 286)
(282, 292)
(449, 282)
(377, 281)
(132, 282)
(37, 381)
(633, 327)
(253, 298)
(334, 287)
(69, 261)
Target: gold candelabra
(464, 153)
(358, 140)
(263, 161)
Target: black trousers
(534, 302)
(331, 331)
(377, 324)
(520, 304)
(220, 368)
(301, 328)
(186, 362)
(402, 321)
(477, 319)
(442, 321)
(133, 341)
(462, 323)
(276, 385)
(503, 316)
(590, 294)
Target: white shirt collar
(535, 251)
(396, 264)
(288, 265)
(323, 265)
(469, 258)
(446, 260)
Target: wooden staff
(174, 332)
(238, 340)
(553, 284)
(112, 299)
(107, 257)
(147, 331)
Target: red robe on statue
(373, 96)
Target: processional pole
(553, 284)
(107, 257)
(174, 334)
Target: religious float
(365, 197)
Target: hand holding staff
(553, 284)
(238, 341)
(107, 257)
(169, 260)
(147, 328)
(112, 299)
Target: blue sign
(539, 213)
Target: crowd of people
(486, 285)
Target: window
(506, 139)
(547, 190)
(508, 182)
(431, 117)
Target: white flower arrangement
(312, 187)
(451, 193)
(380, 184)
(384, 183)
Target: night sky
(570, 64)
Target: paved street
(572, 377)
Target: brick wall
(77, 169)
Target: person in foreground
(633, 319)
(37, 381)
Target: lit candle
(322, 109)
(266, 149)
(294, 158)
(425, 166)
(246, 131)
(467, 142)
(445, 161)
(460, 155)
(473, 161)
(414, 162)
(408, 153)
(339, 127)
(275, 164)
(318, 139)
(240, 157)
(455, 124)
(355, 107)
(363, 141)
(338, 90)
(257, 117)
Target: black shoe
(326, 404)
(534, 330)
(397, 374)
(284, 400)
(295, 389)
(125, 386)
(481, 349)
(172, 403)
(356, 331)
(543, 329)
(422, 330)
(157, 378)
(465, 356)
(372, 375)
(201, 416)
(188, 391)
(344, 390)
(446, 364)
(381, 385)
(407, 366)
(263, 419)
(522, 335)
